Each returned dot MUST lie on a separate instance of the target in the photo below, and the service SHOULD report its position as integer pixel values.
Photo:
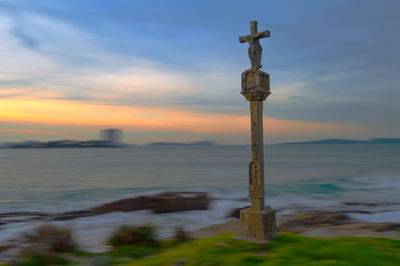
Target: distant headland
(197, 143)
(347, 141)
(93, 144)
(109, 138)
(62, 144)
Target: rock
(71, 215)
(381, 227)
(369, 204)
(335, 224)
(388, 227)
(124, 205)
(159, 203)
(178, 201)
(313, 219)
(235, 213)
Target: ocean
(362, 179)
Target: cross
(255, 48)
(257, 221)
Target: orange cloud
(74, 113)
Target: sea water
(362, 177)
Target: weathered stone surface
(257, 224)
(256, 166)
(255, 189)
(255, 85)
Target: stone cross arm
(257, 35)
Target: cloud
(146, 119)
(329, 62)
(26, 40)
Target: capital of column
(255, 85)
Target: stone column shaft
(258, 221)
(257, 154)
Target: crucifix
(258, 221)
(255, 48)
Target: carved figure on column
(255, 180)
(255, 49)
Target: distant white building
(111, 135)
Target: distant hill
(62, 144)
(197, 143)
(347, 141)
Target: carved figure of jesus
(255, 49)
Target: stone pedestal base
(257, 224)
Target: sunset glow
(72, 113)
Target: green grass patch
(125, 253)
(41, 260)
(286, 249)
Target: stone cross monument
(258, 221)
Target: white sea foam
(380, 217)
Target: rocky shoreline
(164, 202)
(314, 224)
(328, 221)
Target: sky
(170, 70)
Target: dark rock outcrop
(314, 219)
(178, 201)
(71, 215)
(381, 227)
(123, 205)
(159, 203)
(235, 213)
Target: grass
(125, 253)
(287, 249)
(38, 259)
(122, 254)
